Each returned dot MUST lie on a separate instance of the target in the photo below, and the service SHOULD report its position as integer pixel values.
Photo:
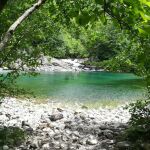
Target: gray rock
(60, 110)
(103, 127)
(108, 134)
(29, 130)
(23, 123)
(46, 146)
(123, 145)
(23, 147)
(5, 147)
(64, 146)
(43, 141)
(56, 145)
(91, 141)
(105, 143)
(57, 137)
(64, 129)
(56, 117)
(82, 141)
(33, 146)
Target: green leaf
(141, 31)
(74, 13)
(83, 19)
(101, 2)
(144, 16)
(103, 19)
(145, 2)
(146, 28)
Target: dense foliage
(80, 29)
(113, 34)
(139, 125)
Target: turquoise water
(84, 86)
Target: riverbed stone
(69, 128)
(5, 147)
(56, 117)
(46, 146)
(123, 145)
(92, 141)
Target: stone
(5, 147)
(57, 137)
(103, 127)
(108, 133)
(47, 130)
(91, 141)
(123, 145)
(71, 129)
(56, 117)
(46, 146)
(23, 147)
(8, 115)
(83, 141)
(56, 145)
(43, 141)
(60, 110)
(23, 123)
(84, 107)
(64, 146)
(105, 143)
(5, 68)
(29, 130)
(33, 146)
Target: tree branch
(13, 27)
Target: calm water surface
(84, 86)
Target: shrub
(11, 136)
(139, 130)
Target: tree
(13, 27)
(133, 17)
(7, 80)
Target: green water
(84, 86)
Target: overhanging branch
(7, 37)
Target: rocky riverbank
(48, 64)
(49, 127)
(59, 65)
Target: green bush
(11, 136)
(139, 130)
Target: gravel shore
(55, 128)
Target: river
(84, 86)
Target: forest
(112, 35)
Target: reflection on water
(85, 86)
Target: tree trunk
(7, 37)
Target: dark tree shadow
(11, 136)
